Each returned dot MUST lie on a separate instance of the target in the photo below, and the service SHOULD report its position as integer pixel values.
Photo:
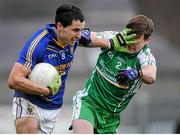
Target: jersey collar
(51, 27)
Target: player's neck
(62, 45)
(59, 42)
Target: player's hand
(55, 84)
(129, 75)
(119, 41)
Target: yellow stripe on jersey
(33, 45)
(52, 49)
(123, 86)
(59, 44)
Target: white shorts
(46, 118)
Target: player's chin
(132, 50)
(72, 42)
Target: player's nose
(78, 34)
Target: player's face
(137, 47)
(69, 34)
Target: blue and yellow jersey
(43, 47)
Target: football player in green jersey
(114, 80)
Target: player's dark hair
(66, 13)
(141, 25)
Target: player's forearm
(149, 74)
(29, 87)
(98, 42)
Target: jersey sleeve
(31, 53)
(85, 39)
(146, 58)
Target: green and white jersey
(101, 87)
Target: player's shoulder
(38, 41)
(145, 55)
(145, 51)
(37, 36)
(40, 33)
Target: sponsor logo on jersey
(51, 56)
(62, 68)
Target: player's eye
(76, 30)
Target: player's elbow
(149, 80)
(149, 74)
(12, 82)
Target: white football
(43, 74)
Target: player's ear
(59, 26)
(147, 41)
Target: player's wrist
(115, 42)
(119, 39)
(118, 44)
(140, 73)
(50, 91)
(111, 44)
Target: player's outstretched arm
(118, 42)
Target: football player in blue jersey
(37, 108)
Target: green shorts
(103, 122)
